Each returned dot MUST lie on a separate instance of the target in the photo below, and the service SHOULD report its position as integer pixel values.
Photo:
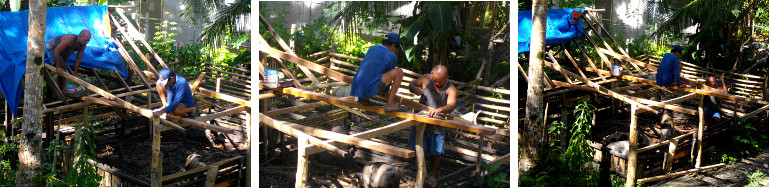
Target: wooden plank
(291, 128)
(225, 97)
(568, 56)
(211, 175)
(751, 114)
(373, 133)
(131, 62)
(134, 31)
(661, 177)
(646, 81)
(198, 81)
(602, 89)
(186, 173)
(133, 45)
(406, 115)
(647, 148)
(555, 62)
(680, 99)
(245, 71)
(670, 156)
(222, 113)
(700, 131)
(345, 56)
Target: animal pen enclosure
(129, 143)
(483, 138)
(649, 153)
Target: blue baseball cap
(677, 47)
(394, 38)
(164, 74)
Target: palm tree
(30, 144)
(224, 19)
(722, 25)
(532, 131)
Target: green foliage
(83, 174)
(755, 179)
(616, 181)
(745, 138)
(496, 180)
(9, 151)
(567, 168)
(572, 3)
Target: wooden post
(613, 102)
(419, 149)
(699, 132)
(632, 158)
(479, 160)
(156, 173)
(303, 162)
(218, 83)
(670, 155)
(211, 175)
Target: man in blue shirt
(670, 68)
(176, 95)
(377, 74)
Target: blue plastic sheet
(559, 28)
(101, 52)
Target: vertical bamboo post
(211, 175)
(419, 149)
(303, 162)
(156, 173)
(632, 157)
(479, 160)
(670, 155)
(218, 83)
(700, 131)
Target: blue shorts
(433, 143)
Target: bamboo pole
(132, 29)
(211, 175)
(633, 146)
(133, 45)
(303, 162)
(661, 177)
(700, 131)
(156, 171)
(670, 156)
(419, 147)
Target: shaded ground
(731, 175)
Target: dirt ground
(137, 153)
(732, 175)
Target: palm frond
(355, 16)
(706, 12)
(199, 10)
(227, 21)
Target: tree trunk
(532, 129)
(29, 173)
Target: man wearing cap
(670, 68)
(61, 47)
(378, 74)
(176, 95)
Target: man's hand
(157, 113)
(59, 70)
(416, 90)
(433, 112)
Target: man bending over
(176, 95)
(61, 47)
(377, 74)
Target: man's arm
(79, 58)
(416, 86)
(451, 100)
(162, 93)
(723, 86)
(677, 72)
(177, 98)
(66, 40)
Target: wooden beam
(156, 168)
(373, 133)
(222, 113)
(601, 89)
(131, 62)
(406, 115)
(287, 49)
(680, 99)
(419, 147)
(133, 45)
(751, 114)
(132, 29)
(646, 81)
(661, 177)
(225, 97)
(164, 121)
(293, 128)
(647, 148)
(296, 108)
(632, 158)
(344, 78)
(345, 56)
(302, 163)
(198, 81)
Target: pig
(379, 175)
(194, 162)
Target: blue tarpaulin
(100, 53)
(559, 28)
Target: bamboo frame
(413, 116)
